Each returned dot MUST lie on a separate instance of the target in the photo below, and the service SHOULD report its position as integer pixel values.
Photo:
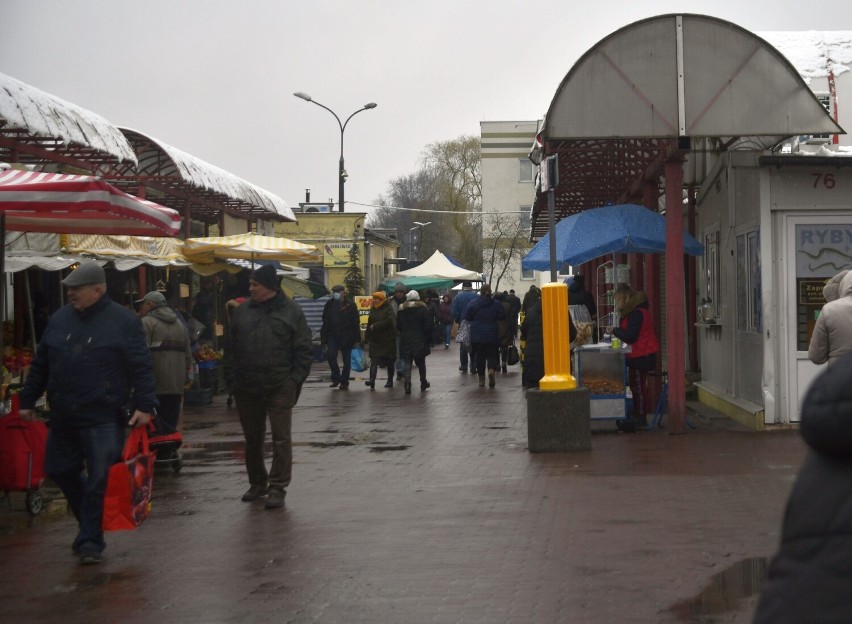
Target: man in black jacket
(341, 330)
(92, 355)
(267, 360)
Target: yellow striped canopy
(248, 246)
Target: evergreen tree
(354, 279)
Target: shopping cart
(22, 452)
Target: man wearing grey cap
(92, 355)
(171, 352)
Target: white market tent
(438, 265)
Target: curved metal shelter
(37, 127)
(673, 85)
(184, 182)
(653, 102)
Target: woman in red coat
(636, 328)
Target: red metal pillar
(651, 275)
(691, 281)
(675, 335)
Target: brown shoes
(491, 380)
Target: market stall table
(601, 368)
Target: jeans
(400, 362)
(253, 410)
(448, 333)
(78, 461)
(335, 346)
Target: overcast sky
(215, 78)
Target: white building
(508, 188)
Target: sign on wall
(336, 254)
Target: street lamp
(417, 224)
(341, 175)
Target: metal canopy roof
(672, 85)
(180, 180)
(37, 127)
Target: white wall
(503, 144)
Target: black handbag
(512, 355)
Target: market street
(426, 508)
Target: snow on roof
(25, 107)
(200, 173)
(812, 51)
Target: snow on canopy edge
(202, 174)
(28, 108)
(809, 51)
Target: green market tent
(417, 283)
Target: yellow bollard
(557, 345)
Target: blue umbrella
(625, 228)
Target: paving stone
(423, 508)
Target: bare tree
(443, 191)
(502, 243)
(456, 164)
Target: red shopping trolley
(22, 451)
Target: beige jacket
(832, 335)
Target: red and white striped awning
(74, 204)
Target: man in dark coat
(92, 357)
(415, 334)
(267, 359)
(341, 330)
(460, 303)
(578, 295)
(810, 576)
(515, 308)
(483, 314)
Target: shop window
(822, 251)
(525, 170)
(526, 218)
(711, 271)
(749, 314)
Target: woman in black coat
(811, 575)
(415, 335)
(532, 333)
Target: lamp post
(417, 224)
(341, 174)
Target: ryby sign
(823, 250)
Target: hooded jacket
(810, 576)
(168, 341)
(832, 335)
(415, 329)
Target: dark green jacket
(381, 331)
(270, 342)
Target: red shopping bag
(128, 495)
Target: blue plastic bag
(358, 361)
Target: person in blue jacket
(483, 314)
(460, 303)
(94, 362)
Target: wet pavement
(426, 508)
